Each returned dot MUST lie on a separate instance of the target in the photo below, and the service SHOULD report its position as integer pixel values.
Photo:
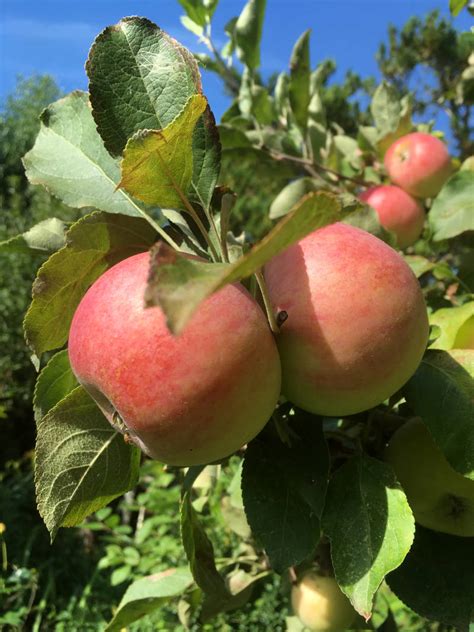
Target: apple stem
(266, 301)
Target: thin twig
(314, 167)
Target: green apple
(441, 498)
(320, 604)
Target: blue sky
(54, 36)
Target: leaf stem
(200, 225)
(266, 301)
(163, 234)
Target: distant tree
(434, 62)
(21, 206)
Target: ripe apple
(320, 604)
(441, 498)
(186, 400)
(357, 325)
(398, 212)
(419, 163)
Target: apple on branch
(320, 604)
(397, 211)
(185, 400)
(419, 163)
(357, 325)
(441, 498)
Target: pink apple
(357, 325)
(398, 212)
(185, 400)
(419, 163)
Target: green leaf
(45, 237)
(179, 285)
(232, 137)
(54, 382)
(290, 195)
(248, 33)
(456, 6)
(283, 489)
(244, 581)
(94, 244)
(468, 164)
(370, 525)
(199, 11)
(139, 78)
(70, 160)
(367, 219)
(442, 393)
(299, 92)
(385, 108)
(262, 105)
(157, 166)
(191, 25)
(419, 265)
(281, 93)
(206, 159)
(81, 462)
(452, 212)
(200, 552)
(451, 321)
(436, 579)
(147, 594)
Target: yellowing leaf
(157, 166)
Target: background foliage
(139, 533)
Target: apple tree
(328, 487)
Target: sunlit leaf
(81, 462)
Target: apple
(465, 336)
(419, 163)
(320, 604)
(357, 325)
(397, 211)
(185, 400)
(441, 498)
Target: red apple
(419, 163)
(398, 212)
(357, 325)
(186, 400)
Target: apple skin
(188, 399)
(440, 498)
(465, 336)
(357, 325)
(320, 604)
(419, 163)
(398, 212)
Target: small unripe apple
(357, 325)
(419, 163)
(188, 399)
(320, 604)
(465, 336)
(397, 211)
(440, 498)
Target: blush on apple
(419, 163)
(186, 400)
(397, 211)
(357, 325)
